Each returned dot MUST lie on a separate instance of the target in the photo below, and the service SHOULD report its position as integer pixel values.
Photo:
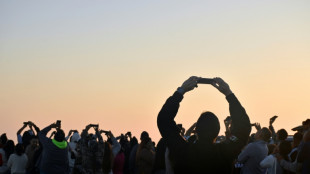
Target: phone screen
(58, 123)
(205, 81)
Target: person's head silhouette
(59, 135)
(263, 134)
(282, 134)
(144, 136)
(208, 127)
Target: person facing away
(255, 152)
(91, 151)
(300, 165)
(281, 135)
(133, 153)
(18, 161)
(54, 157)
(204, 156)
(72, 153)
(30, 151)
(271, 163)
(145, 157)
(297, 138)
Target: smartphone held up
(58, 124)
(205, 81)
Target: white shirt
(18, 163)
(269, 162)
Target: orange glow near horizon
(116, 63)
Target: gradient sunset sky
(116, 62)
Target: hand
(272, 119)
(30, 124)
(25, 125)
(257, 126)
(190, 84)
(128, 134)
(227, 121)
(96, 128)
(222, 86)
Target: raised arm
(165, 120)
(190, 130)
(271, 128)
(52, 135)
(36, 128)
(98, 134)
(18, 133)
(128, 136)
(42, 134)
(116, 146)
(240, 126)
(85, 131)
(69, 134)
(257, 126)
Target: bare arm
(21, 129)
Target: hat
(297, 128)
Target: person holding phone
(204, 156)
(90, 151)
(54, 157)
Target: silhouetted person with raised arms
(54, 157)
(204, 156)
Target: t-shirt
(252, 155)
(18, 163)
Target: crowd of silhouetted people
(197, 150)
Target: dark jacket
(203, 157)
(304, 157)
(54, 160)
